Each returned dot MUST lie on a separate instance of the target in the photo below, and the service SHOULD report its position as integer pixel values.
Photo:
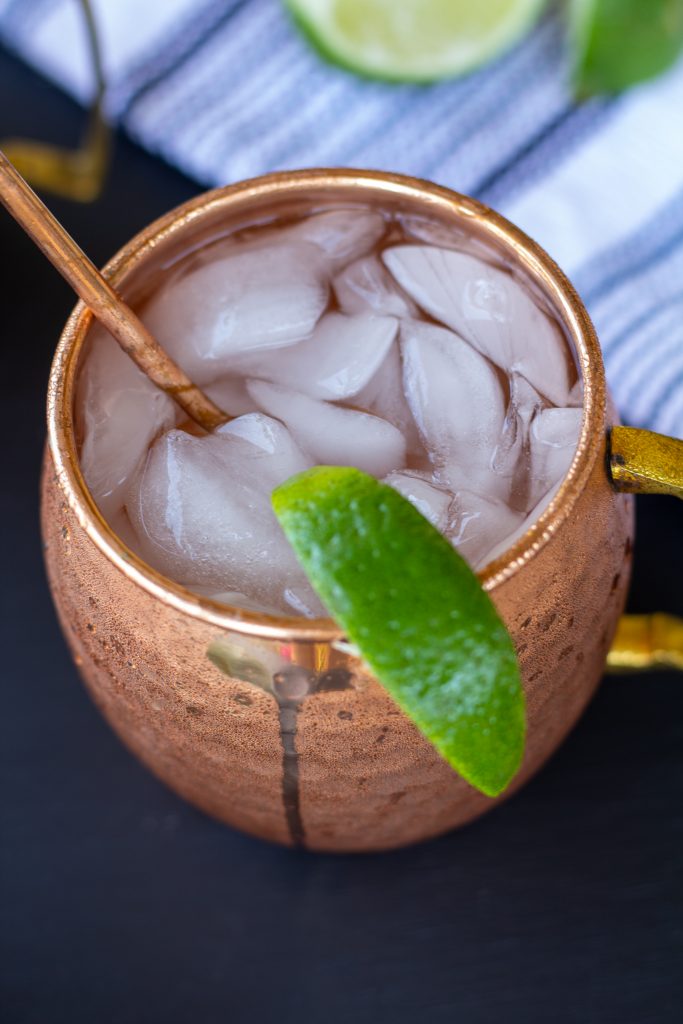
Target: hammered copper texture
(367, 779)
(360, 753)
(213, 739)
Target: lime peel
(413, 40)
(417, 613)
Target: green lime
(620, 42)
(413, 40)
(416, 612)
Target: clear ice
(345, 338)
(333, 436)
(201, 509)
(119, 413)
(260, 298)
(487, 307)
(342, 236)
(336, 362)
(366, 287)
(457, 401)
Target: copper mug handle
(641, 462)
(73, 173)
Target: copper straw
(111, 311)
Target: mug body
(271, 724)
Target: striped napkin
(225, 89)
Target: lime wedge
(413, 40)
(620, 42)
(416, 612)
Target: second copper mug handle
(642, 462)
(73, 173)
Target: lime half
(417, 613)
(413, 40)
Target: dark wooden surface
(121, 904)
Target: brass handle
(642, 462)
(75, 174)
(647, 642)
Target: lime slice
(413, 40)
(620, 42)
(416, 612)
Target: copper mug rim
(453, 206)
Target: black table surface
(119, 903)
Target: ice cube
(342, 235)
(488, 308)
(553, 437)
(366, 286)
(432, 501)
(511, 454)
(119, 412)
(302, 600)
(423, 229)
(509, 451)
(457, 401)
(575, 399)
(524, 399)
(331, 435)
(201, 509)
(234, 598)
(447, 236)
(256, 297)
(477, 525)
(383, 396)
(335, 363)
(123, 528)
(526, 523)
(230, 394)
(270, 437)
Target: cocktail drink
(351, 336)
(339, 319)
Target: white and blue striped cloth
(225, 89)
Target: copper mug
(271, 724)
